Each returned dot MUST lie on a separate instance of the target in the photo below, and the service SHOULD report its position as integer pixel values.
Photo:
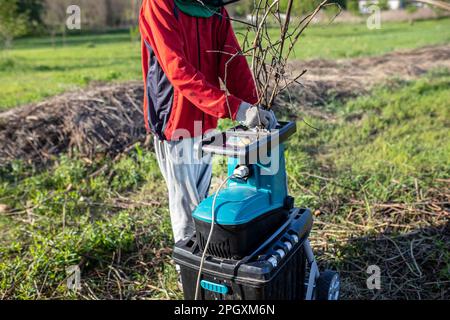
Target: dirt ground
(108, 119)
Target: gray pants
(188, 181)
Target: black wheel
(328, 286)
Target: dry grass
(407, 241)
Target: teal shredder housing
(245, 200)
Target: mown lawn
(388, 148)
(35, 69)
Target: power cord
(211, 232)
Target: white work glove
(248, 116)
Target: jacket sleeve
(234, 69)
(158, 26)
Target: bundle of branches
(103, 120)
(270, 54)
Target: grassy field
(377, 176)
(390, 147)
(35, 69)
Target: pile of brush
(101, 121)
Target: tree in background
(115, 10)
(300, 7)
(241, 8)
(94, 14)
(383, 5)
(13, 23)
(353, 6)
(34, 10)
(55, 17)
(341, 3)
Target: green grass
(381, 143)
(381, 148)
(372, 175)
(62, 217)
(34, 70)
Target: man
(187, 49)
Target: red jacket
(183, 60)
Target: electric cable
(211, 232)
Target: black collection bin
(274, 271)
(234, 242)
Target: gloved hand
(248, 116)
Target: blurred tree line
(22, 17)
(300, 7)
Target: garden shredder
(251, 243)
